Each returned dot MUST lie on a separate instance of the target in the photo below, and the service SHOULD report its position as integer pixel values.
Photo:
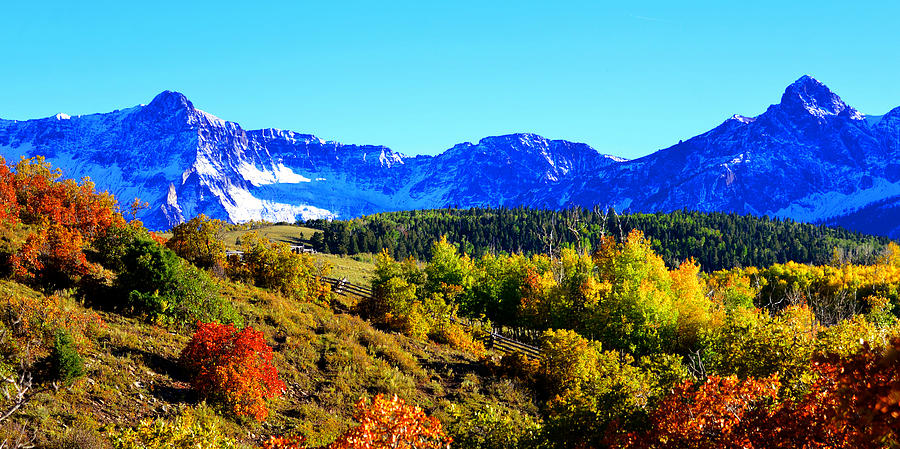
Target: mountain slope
(810, 157)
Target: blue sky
(419, 77)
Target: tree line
(715, 240)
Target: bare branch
(21, 389)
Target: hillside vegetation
(127, 306)
(637, 355)
(112, 336)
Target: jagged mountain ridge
(810, 157)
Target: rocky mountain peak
(809, 95)
(170, 102)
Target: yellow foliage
(189, 430)
(32, 316)
(274, 266)
(458, 338)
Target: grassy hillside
(357, 268)
(290, 234)
(95, 313)
(111, 336)
(328, 361)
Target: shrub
(517, 366)
(199, 241)
(711, 414)
(67, 363)
(111, 248)
(52, 257)
(487, 427)
(284, 443)
(31, 316)
(752, 343)
(401, 302)
(458, 338)
(273, 265)
(234, 367)
(391, 423)
(167, 290)
(147, 267)
(190, 429)
(64, 217)
(590, 389)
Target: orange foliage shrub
(233, 366)
(158, 238)
(66, 216)
(854, 403)
(53, 253)
(43, 198)
(710, 415)
(391, 423)
(9, 207)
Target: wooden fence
(492, 340)
(345, 288)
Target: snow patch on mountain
(242, 206)
(822, 205)
(279, 174)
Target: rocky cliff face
(810, 157)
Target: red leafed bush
(854, 403)
(234, 366)
(9, 206)
(54, 253)
(391, 423)
(712, 414)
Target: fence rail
(345, 288)
(492, 340)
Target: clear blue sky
(628, 78)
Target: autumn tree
(447, 269)
(756, 344)
(53, 256)
(400, 301)
(861, 394)
(590, 389)
(9, 205)
(199, 241)
(63, 218)
(639, 313)
(496, 289)
(44, 198)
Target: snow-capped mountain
(810, 157)
(184, 162)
